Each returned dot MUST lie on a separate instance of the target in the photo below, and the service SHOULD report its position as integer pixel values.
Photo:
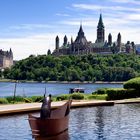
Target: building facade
(82, 46)
(6, 59)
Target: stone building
(82, 46)
(6, 59)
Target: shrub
(101, 91)
(62, 97)
(132, 84)
(77, 96)
(117, 94)
(17, 99)
(3, 101)
(36, 98)
(97, 96)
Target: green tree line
(92, 67)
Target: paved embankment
(128, 101)
(29, 107)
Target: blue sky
(30, 26)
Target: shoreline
(34, 107)
(64, 82)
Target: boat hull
(56, 124)
(48, 127)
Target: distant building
(6, 59)
(138, 49)
(82, 46)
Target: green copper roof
(100, 23)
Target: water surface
(29, 89)
(119, 122)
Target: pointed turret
(11, 53)
(119, 39)
(57, 43)
(65, 40)
(119, 42)
(110, 39)
(100, 30)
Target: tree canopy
(92, 67)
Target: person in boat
(46, 107)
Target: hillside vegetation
(115, 67)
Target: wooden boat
(53, 126)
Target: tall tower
(57, 43)
(100, 30)
(65, 40)
(119, 42)
(110, 39)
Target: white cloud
(89, 22)
(30, 26)
(23, 47)
(94, 7)
(126, 1)
(133, 17)
(37, 44)
(62, 14)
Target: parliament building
(81, 46)
(6, 59)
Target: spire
(100, 23)
(100, 30)
(81, 33)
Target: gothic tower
(119, 42)
(65, 40)
(110, 39)
(100, 30)
(57, 43)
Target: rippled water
(119, 122)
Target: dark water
(29, 89)
(119, 122)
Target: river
(119, 122)
(30, 89)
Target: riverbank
(31, 107)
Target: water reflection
(100, 122)
(62, 136)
